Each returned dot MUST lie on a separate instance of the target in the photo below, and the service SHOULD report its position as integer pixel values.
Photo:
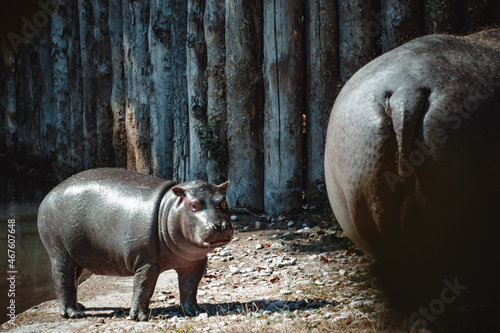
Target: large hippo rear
(123, 223)
(412, 164)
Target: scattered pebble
(234, 270)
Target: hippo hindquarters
(411, 164)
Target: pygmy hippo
(123, 223)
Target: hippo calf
(123, 223)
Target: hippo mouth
(215, 243)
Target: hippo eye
(195, 206)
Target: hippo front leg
(144, 285)
(189, 278)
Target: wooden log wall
(210, 89)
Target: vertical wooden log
(139, 92)
(47, 114)
(160, 41)
(197, 93)
(283, 77)
(176, 83)
(103, 84)
(61, 82)
(400, 22)
(358, 31)
(10, 121)
(441, 16)
(115, 22)
(75, 68)
(22, 113)
(244, 46)
(322, 80)
(480, 14)
(87, 50)
(215, 145)
(181, 141)
(130, 130)
(168, 53)
(28, 91)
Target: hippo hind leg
(65, 275)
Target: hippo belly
(412, 161)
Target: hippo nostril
(222, 226)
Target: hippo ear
(223, 187)
(179, 192)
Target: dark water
(31, 265)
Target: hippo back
(108, 213)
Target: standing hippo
(123, 223)
(412, 164)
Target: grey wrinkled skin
(412, 157)
(123, 223)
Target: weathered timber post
(61, 83)
(322, 80)
(137, 71)
(480, 14)
(87, 43)
(118, 84)
(441, 16)
(164, 48)
(284, 87)
(197, 90)
(178, 103)
(358, 31)
(244, 103)
(215, 145)
(400, 21)
(103, 85)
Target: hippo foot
(72, 312)
(190, 309)
(138, 316)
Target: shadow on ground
(220, 309)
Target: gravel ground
(296, 274)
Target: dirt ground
(293, 274)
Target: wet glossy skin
(119, 222)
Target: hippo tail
(407, 109)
